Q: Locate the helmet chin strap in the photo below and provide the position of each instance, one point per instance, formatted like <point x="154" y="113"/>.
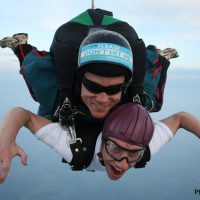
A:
<point x="100" y="156"/>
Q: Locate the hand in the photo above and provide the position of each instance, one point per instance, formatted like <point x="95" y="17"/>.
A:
<point x="8" y="150"/>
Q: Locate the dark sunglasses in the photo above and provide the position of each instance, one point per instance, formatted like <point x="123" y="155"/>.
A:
<point x="96" y="88"/>
<point x="119" y="153"/>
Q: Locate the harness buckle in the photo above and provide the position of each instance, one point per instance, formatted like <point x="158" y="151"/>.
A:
<point x="74" y="141"/>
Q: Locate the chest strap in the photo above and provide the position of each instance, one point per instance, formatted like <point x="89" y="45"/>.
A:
<point x="66" y="119"/>
<point x="78" y="150"/>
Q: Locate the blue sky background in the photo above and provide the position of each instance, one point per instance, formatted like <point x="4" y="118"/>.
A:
<point x="172" y="23"/>
<point x="174" y="172"/>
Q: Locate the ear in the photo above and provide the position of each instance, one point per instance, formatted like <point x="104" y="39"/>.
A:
<point x="100" y="156"/>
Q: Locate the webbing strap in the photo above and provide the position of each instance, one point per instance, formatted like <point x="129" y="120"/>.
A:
<point x="136" y="87"/>
<point x="139" y="62"/>
<point x="79" y="158"/>
<point x="78" y="150"/>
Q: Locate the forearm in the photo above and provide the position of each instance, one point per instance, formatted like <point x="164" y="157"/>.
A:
<point x="183" y="120"/>
<point x="190" y="123"/>
<point x="17" y="118"/>
<point x="12" y="122"/>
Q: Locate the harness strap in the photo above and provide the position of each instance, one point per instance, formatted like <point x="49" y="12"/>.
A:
<point x="78" y="152"/>
<point x="136" y="92"/>
<point x="139" y="62"/>
<point x="66" y="119"/>
<point x="79" y="159"/>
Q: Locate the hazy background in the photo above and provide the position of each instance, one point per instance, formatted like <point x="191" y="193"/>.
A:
<point x="174" y="172"/>
<point x="171" y="23"/>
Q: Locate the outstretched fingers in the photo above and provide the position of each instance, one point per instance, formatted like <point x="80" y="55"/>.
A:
<point x="4" y="169"/>
<point x="23" y="156"/>
<point x="5" y="162"/>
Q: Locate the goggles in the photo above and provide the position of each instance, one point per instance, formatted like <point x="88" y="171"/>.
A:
<point x="96" y="88"/>
<point x="119" y="153"/>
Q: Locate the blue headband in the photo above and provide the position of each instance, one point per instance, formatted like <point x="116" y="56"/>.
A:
<point x="106" y="52"/>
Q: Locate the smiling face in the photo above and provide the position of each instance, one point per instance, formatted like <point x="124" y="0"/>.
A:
<point x="99" y="104"/>
<point x="116" y="169"/>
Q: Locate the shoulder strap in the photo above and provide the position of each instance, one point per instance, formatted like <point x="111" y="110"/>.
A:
<point x="84" y="146"/>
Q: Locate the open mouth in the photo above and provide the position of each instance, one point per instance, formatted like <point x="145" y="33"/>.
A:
<point x="117" y="172"/>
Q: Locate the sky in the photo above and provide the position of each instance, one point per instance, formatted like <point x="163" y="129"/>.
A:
<point x="162" y="23"/>
<point x="172" y="23"/>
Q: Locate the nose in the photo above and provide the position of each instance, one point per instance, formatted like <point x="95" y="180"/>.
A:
<point x="102" y="97"/>
<point x="123" y="164"/>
